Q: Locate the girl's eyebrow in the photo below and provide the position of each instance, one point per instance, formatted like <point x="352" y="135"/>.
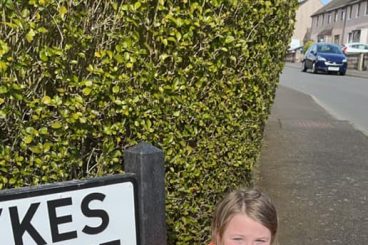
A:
<point x="263" y="238"/>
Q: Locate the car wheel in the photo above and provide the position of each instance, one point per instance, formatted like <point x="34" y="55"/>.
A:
<point x="304" y="67"/>
<point x="314" y="70"/>
<point x="342" y="73"/>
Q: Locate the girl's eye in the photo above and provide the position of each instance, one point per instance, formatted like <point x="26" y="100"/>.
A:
<point x="260" y="241"/>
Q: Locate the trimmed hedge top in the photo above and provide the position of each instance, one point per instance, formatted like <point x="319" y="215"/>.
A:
<point x="83" y="80"/>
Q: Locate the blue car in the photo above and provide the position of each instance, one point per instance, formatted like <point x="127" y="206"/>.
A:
<point x="326" y="57"/>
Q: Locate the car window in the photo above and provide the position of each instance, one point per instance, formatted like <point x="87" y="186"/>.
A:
<point x="309" y="49"/>
<point x="327" y="48"/>
<point x="359" y="46"/>
<point x="314" y="48"/>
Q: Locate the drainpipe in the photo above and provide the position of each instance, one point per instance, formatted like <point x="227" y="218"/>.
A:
<point x="343" y="28"/>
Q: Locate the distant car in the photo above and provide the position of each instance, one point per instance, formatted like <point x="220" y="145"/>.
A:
<point x="325" y="57"/>
<point x="353" y="48"/>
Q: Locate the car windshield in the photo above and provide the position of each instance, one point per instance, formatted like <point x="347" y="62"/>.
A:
<point x="326" y="48"/>
<point x="360" y="46"/>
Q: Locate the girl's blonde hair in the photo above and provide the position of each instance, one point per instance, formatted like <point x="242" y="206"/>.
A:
<point x="252" y="202"/>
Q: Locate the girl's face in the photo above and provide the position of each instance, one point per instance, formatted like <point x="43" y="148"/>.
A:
<point x="243" y="230"/>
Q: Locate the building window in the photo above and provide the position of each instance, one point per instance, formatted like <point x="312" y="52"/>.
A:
<point x="336" y="16"/>
<point x="323" y="19"/>
<point x="320" y="38"/>
<point x="350" y="12"/>
<point x="343" y="14"/>
<point x="337" y="39"/>
<point x="317" y="19"/>
<point x="329" y="18"/>
<point x="358" y="10"/>
<point x="366" y="7"/>
<point x="354" y="36"/>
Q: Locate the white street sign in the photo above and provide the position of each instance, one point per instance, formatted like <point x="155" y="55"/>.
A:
<point x="99" y="211"/>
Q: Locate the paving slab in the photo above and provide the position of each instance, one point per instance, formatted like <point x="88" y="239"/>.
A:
<point x="315" y="168"/>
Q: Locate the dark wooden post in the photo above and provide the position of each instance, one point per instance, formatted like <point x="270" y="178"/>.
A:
<point x="147" y="163"/>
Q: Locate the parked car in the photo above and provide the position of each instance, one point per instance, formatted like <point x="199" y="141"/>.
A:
<point x="325" y="57"/>
<point x="353" y="48"/>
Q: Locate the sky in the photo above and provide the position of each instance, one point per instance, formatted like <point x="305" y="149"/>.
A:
<point x="325" y="1"/>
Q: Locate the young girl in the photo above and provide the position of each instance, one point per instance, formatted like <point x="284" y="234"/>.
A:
<point x="244" y="217"/>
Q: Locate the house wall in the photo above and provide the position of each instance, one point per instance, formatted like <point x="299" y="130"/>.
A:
<point x="336" y="25"/>
<point x="358" y="22"/>
<point x="349" y="19"/>
<point x="303" y="18"/>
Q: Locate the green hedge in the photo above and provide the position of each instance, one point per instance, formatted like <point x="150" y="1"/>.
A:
<point x="83" y="80"/>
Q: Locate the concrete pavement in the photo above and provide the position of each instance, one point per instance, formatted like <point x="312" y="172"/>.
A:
<point x="316" y="170"/>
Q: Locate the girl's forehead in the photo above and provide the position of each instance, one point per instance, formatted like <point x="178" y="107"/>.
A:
<point x="242" y="224"/>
